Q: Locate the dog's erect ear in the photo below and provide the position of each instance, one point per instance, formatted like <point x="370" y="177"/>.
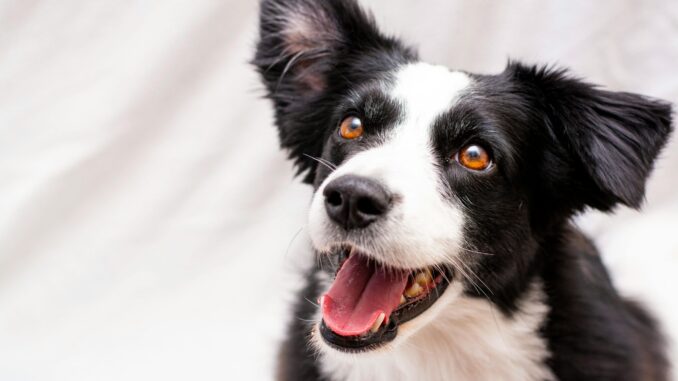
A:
<point x="613" y="137"/>
<point x="309" y="52"/>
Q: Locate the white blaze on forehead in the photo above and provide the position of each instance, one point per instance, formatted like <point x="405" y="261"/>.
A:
<point x="427" y="91"/>
<point x="424" y="227"/>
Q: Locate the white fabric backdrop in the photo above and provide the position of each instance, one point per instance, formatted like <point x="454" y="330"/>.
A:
<point x="148" y="221"/>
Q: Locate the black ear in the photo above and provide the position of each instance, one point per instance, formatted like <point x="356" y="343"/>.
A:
<point x="308" y="54"/>
<point x="613" y="137"/>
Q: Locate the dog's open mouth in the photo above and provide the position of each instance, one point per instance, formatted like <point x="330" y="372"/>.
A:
<point x="368" y="301"/>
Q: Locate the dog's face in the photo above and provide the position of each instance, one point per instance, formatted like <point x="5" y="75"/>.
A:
<point x="426" y="176"/>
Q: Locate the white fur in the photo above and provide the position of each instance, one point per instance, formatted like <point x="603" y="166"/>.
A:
<point x="423" y="228"/>
<point x="458" y="338"/>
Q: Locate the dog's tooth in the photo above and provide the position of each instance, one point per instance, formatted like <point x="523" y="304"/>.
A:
<point x="377" y="323"/>
<point x="414" y="290"/>
<point x="402" y="299"/>
<point x="424" y="278"/>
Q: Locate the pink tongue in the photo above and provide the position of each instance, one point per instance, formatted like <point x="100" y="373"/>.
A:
<point x="359" y="294"/>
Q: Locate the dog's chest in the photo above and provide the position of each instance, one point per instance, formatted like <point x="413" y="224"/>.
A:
<point x="471" y="341"/>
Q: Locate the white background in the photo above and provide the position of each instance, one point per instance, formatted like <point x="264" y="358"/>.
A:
<point x="148" y="221"/>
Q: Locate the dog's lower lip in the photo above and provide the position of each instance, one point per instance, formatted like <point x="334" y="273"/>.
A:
<point x="423" y="289"/>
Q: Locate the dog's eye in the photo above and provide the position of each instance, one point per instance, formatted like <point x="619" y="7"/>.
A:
<point x="351" y="128"/>
<point x="474" y="157"/>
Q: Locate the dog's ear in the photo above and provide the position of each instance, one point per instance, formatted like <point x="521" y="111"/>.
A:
<point x="308" y="53"/>
<point x="611" y="138"/>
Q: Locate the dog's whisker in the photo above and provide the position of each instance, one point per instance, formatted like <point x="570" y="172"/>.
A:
<point x="324" y="267"/>
<point x="463" y="274"/>
<point x="324" y="162"/>
<point x="289" y="245"/>
<point x="475" y="251"/>
<point x="477" y="277"/>
<point x="312" y="302"/>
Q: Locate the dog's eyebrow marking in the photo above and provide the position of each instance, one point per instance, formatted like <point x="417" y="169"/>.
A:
<point x="471" y="120"/>
<point x="378" y="107"/>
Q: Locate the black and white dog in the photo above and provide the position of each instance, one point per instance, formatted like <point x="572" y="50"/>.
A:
<point x="442" y="206"/>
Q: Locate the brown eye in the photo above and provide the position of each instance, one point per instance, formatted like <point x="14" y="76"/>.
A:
<point x="474" y="157"/>
<point x="351" y="128"/>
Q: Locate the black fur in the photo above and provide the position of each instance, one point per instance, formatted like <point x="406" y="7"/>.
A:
<point x="593" y="333"/>
<point x="559" y="145"/>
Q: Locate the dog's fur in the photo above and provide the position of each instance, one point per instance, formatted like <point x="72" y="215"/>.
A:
<point x="531" y="299"/>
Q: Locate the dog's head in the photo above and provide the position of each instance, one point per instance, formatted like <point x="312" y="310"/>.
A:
<point x="425" y="176"/>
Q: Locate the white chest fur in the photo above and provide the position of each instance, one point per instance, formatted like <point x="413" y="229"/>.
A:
<point x="468" y="339"/>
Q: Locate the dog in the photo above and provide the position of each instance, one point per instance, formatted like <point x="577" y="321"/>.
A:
<point x="442" y="206"/>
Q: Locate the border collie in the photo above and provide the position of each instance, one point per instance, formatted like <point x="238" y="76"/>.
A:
<point x="442" y="206"/>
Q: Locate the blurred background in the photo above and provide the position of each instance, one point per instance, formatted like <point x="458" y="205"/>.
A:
<point x="150" y="228"/>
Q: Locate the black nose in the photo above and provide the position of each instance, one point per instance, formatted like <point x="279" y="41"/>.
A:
<point x="355" y="202"/>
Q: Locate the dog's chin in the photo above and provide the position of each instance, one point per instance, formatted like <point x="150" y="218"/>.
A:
<point x="424" y="296"/>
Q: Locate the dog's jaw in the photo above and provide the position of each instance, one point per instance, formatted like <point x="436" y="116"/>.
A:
<point x="458" y="338"/>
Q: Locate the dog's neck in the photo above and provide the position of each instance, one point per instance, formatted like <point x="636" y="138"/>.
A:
<point x="471" y="340"/>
